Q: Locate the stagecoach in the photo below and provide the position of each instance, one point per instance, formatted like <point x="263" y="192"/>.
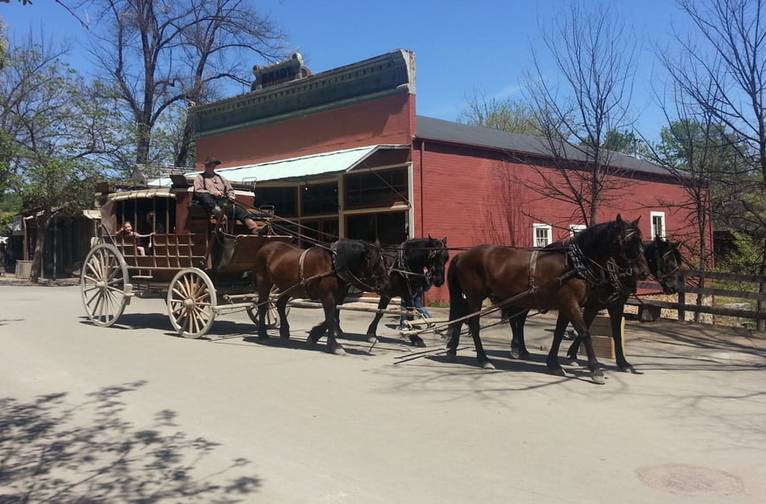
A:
<point x="201" y="265"/>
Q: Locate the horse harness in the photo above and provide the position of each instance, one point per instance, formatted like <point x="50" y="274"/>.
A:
<point x="595" y="275"/>
<point x="347" y="275"/>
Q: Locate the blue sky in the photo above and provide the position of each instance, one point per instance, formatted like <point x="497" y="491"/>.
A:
<point x="460" y="46"/>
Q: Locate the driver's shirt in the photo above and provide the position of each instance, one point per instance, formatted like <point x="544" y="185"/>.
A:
<point x="205" y="182"/>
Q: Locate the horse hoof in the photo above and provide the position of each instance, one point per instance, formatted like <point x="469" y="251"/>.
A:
<point x="629" y="369"/>
<point x="451" y="356"/>
<point x="598" y="377"/>
<point x="371" y="338"/>
<point x="571" y="362"/>
<point x="337" y="350"/>
<point x="417" y="341"/>
<point x="557" y="371"/>
<point x="263" y="336"/>
<point x="519" y="354"/>
<point x="487" y="365"/>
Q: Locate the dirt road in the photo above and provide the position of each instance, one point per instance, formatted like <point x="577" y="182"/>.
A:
<point x="134" y="414"/>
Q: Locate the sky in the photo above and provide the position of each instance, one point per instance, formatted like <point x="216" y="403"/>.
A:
<point x="461" y="47"/>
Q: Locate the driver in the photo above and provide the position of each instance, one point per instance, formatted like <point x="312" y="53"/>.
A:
<point x="213" y="191"/>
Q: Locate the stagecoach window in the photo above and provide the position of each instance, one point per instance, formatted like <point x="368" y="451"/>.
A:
<point x="543" y="235"/>
<point x="283" y="199"/>
<point x="658" y="224"/>
<point x="575" y="228"/>
<point x="382" y="188"/>
<point x="318" y="199"/>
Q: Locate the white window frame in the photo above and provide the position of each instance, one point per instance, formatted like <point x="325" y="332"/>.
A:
<point x="652" y="215"/>
<point x="574" y="228"/>
<point x="537" y="226"/>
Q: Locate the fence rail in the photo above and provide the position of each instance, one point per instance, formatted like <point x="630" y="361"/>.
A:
<point x="682" y="306"/>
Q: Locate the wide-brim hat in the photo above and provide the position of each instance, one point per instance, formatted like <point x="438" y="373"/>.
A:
<point x="211" y="161"/>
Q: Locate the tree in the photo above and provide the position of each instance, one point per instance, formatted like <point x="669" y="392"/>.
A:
<point x="626" y="141"/>
<point x="593" y="56"/>
<point x="728" y="56"/>
<point x="158" y="54"/>
<point x="54" y="126"/>
<point x="501" y="114"/>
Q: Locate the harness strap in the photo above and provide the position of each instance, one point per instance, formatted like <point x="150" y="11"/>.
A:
<point x="532" y="268"/>
<point x="301" y="261"/>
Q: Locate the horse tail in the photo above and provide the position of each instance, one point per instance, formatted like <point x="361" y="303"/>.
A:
<point x="457" y="304"/>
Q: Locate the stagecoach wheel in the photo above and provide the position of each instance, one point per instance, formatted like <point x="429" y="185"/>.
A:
<point x="272" y="315"/>
<point x="191" y="303"/>
<point x="104" y="284"/>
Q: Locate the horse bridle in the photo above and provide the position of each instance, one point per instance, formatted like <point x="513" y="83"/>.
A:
<point x="662" y="276"/>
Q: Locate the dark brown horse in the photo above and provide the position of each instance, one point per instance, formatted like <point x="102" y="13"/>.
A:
<point x="413" y="265"/>
<point x="559" y="279"/>
<point x="664" y="261"/>
<point x="319" y="273"/>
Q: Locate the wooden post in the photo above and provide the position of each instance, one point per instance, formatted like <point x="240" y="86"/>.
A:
<point x="682" y="301"/>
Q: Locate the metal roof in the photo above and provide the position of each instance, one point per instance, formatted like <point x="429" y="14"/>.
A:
<point x="298" y="167"/>
<point x="429" y="128"/>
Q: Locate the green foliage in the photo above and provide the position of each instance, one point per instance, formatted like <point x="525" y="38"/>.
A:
<point x="627" y="142"/>
<point x="747" y="255"/>
<point x="501" y="114"/>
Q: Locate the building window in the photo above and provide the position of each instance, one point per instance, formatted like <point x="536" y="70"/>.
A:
<point x="575" y="228"/>
<point x="283" y="199"/>
<point x="383" y="188"/>
<point x="318" y="199"/>
<point x="543" y="234"/>
<point x="658" y="224"/>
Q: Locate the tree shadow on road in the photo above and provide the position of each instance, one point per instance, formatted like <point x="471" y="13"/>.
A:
<point x="52" y="451"/>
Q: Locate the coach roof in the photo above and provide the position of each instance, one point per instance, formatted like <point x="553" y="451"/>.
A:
<point x="429" y="128"/>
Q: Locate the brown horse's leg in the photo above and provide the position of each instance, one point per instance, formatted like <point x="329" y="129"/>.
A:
<point x="331" y="323"/>
<point x="284" y="326"/>
<point x="616" y="311"/>
<point x="342" y="292"/>
<point x="316" y="332"/>
<point x="372" y="330"/>
<point x="573" y="312"/>
<point x="518" y="346"/>
<point x="589" y="313"/>
<point x="553" y="355"/>
<point x="264" y="290"/>
<point x="473" y="326"/>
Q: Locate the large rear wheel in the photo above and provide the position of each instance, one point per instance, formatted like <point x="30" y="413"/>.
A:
<point x="104" y="284"/>
<point x="191" y="303"/>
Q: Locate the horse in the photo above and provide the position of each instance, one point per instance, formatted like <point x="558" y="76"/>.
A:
<point x="414" y="264"/>
<point x="560" y="279"/>
<point x="664" y="261"/>
<point x="321" y="273"/>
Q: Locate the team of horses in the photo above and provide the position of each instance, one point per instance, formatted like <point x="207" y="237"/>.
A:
<point x="597" y="268"/>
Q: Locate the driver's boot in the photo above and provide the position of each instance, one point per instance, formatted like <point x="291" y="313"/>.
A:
<point x="253" y="226"/>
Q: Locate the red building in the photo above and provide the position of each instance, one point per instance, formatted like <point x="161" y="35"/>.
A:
<point x="344" y="153"/>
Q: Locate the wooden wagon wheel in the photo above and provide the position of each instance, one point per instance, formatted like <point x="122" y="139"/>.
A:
<point x="272" y="315"/>
<point x="104" y="284"/>
<point x="191" y="303"/>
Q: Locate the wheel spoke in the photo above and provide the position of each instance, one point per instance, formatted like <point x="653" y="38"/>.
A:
<point x="114" y="289"/>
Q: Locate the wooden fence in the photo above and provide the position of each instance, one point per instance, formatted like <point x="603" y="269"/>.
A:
<point x="687" y="303"/>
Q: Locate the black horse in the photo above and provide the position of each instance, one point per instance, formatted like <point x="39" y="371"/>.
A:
<point x="664" y="261"/>
<point x="560" y="279"/>
<point x="412" y="265"/>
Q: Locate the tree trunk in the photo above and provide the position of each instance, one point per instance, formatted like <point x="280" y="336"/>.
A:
<point x="142" y="145"/>
<point x="185" y="146"/>
<point x="37" y="258"/>
<point x="702" y="264"/>
<point x="761" y="287"/>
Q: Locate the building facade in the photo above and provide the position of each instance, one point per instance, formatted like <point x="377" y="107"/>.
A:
<point x="343" y="153"/>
